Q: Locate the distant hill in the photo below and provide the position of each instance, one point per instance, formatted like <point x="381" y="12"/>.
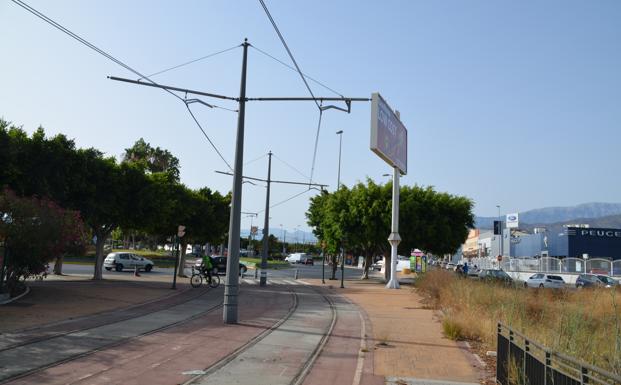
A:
<point x="610" y="221"/>
<point x="555" y="215"/>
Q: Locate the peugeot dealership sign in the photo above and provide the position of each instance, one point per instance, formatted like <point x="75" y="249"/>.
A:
<point x="512" y="221"/>
<point x="389" y="137"/>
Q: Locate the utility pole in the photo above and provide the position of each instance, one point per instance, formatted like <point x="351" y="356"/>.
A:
<point x="266" y="226"/>
<point x="338" y="187"/>
<point x="231" y="283"/>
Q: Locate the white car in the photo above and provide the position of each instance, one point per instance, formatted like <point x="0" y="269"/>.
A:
<point x="120" y="261"/>
<point x="542" y="280"/>
<point x="299" y="258"/>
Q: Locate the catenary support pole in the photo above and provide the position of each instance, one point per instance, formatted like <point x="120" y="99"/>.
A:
<point x="266" y="225"/>
<point x="394" y="237"/>
<point x="176" y="254"/>
<point x="231" y="285"/>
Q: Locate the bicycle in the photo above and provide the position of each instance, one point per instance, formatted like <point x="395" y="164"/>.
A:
<point x="196" y="280"/>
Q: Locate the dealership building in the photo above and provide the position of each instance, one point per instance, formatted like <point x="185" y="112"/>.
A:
<point x="572" y="242"/>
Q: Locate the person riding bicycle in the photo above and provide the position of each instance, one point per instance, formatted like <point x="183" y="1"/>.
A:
<point x="207" y="267"/>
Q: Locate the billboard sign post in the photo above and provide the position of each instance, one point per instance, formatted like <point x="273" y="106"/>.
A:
<point x="389" y="137"/>
<point x="389" y="140"/>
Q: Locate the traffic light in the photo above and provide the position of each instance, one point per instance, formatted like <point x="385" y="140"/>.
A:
<point x="497" y="227"/>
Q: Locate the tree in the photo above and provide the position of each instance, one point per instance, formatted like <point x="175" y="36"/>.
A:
<point x="153" y="160"/>
<point x="360" y="218"/>
<point x="34" y="232"/>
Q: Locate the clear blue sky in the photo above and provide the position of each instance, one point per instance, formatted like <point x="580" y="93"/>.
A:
<point x="510" y="103"/>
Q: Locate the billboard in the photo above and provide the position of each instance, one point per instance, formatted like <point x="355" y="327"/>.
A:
<point x="389" y="137"/>
<point x="596" y="242"/>
<point x="512" y="221"/>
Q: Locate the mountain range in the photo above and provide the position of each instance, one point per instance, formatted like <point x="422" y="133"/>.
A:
<point x="595" y="214"/>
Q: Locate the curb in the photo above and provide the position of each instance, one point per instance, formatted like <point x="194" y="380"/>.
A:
<point x="16" y="298"/>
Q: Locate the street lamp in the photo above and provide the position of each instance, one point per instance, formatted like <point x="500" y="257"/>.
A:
<point x="500" y="247"/>
<point x="338" y="186"/>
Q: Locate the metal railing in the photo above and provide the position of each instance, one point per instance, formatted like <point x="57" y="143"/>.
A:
<point x="551" y="265"/>
<point x="521" y="360"/>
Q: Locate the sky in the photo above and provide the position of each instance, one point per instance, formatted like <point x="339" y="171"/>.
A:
<point x="516" y="104"/>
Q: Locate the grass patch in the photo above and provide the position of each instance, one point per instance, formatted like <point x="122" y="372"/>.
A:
<point x="452" y="330"/>
<point x="585" y="324"/>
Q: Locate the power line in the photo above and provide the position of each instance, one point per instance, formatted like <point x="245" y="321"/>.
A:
<point x="293" y="69"/>
<point x="291" y="167"/>
<point x="284" y="43"/>
<point x="255" y="159"/>
<point x="192" y="61"/>
<point x="113" y="59"/>
<point x="288" y="199"/>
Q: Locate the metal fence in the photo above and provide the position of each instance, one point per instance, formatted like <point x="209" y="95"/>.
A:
<point x="523" y="361"/>
<point x="552" y="265"/>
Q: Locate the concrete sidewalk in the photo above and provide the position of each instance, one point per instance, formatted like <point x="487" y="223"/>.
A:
<point x="407" y="341"/>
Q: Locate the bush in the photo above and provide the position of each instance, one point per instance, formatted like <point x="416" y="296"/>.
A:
<point x="35" y="231"/>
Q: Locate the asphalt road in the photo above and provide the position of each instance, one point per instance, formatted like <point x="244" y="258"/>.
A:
<point x="304" y="271"/>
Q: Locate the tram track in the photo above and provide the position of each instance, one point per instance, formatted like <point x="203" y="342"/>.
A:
<point x="105" y="345"/>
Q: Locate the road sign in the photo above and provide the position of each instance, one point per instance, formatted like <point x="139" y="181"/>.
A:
<point x="389" y="137"/>
<point x="513" y="221"/>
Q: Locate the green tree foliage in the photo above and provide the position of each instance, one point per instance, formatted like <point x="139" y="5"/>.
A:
<point x="153" y="160"/>
<point x="141" y="194"/>
<point x="360" y="220"/>
<point x="34" y="232"/>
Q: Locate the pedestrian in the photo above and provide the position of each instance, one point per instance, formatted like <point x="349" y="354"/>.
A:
<point x="466" y="268"/>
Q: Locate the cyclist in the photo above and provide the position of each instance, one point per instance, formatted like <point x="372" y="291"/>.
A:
<point x="207" y="267"/>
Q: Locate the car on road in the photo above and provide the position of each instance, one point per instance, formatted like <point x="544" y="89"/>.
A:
<point x="492" y="275"/>
<point x="120" y="261"/>
<point x="299" y="258"/>
<point x="219" y="265"/>
<point x="541" y="280"/>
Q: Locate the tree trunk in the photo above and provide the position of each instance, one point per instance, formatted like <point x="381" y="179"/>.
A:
<point x="99" y="256"/>
<point x="181" y="271"/>
<point x="58" y="265"/>
<point x="334" y="266"/>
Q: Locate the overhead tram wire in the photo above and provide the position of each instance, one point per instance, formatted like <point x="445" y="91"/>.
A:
<point x="293" y="69"/>
<point x="192" y="61"/>
<point x="284" y="43"/>
<point x="113" y="59"/>
<point x="288" y="199"/>
<point x="291" y="167"/>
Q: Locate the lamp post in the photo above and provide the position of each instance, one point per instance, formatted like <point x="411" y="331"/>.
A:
<point x="500" y="245"/>
<point x="338" y="186"/>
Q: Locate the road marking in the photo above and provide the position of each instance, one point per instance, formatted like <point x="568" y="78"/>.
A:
<point x="360" y="364"/>
<point x="290" y="282"/>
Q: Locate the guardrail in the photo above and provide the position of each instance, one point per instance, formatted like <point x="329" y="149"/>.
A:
<point x="520" y="360"/>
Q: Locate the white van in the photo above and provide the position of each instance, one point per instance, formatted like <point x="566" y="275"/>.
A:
<point x="298" y="258"/>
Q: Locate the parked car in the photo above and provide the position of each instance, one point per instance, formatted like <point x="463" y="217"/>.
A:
<point x="542" y="280"/>
<point x="587" y="280"/>
<point x="608" y="280"/>
<point x="450" y="266"/>
<point x="495" y="276"/>
<point x="219" y="265"/>
<point x="121" y="261"/>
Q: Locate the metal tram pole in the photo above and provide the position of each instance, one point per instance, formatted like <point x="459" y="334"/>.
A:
<point x="231" y="283"/>
<point x="266" y="226"/>
<point x="338" y="187"/>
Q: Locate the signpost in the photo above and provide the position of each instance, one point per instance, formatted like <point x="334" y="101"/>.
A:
<point x="389" y="140"/>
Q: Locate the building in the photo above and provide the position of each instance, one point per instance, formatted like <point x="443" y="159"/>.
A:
<point x="573" y="242"/>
